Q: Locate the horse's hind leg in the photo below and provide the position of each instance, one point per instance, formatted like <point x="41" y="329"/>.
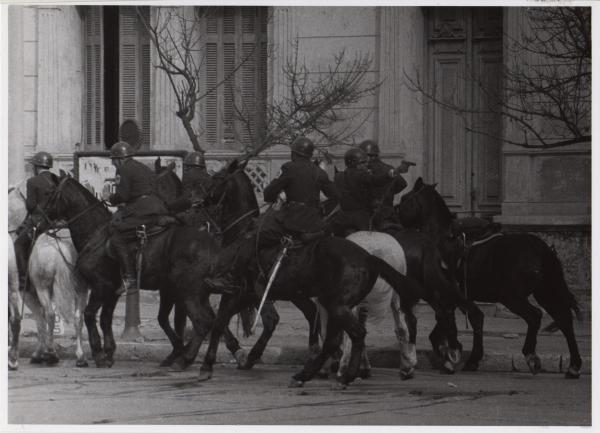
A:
<point x="476" y="318"/>
<point x="44" y="293"/>
<point x="406" y="336"/>
<point x="309" y="310"/>
<point x="533" y="317"/>
<point x="564" y="320"/>
<point x="333" y="338"/>
<point x="89" y="317"/>
<point x="14" y="317"/>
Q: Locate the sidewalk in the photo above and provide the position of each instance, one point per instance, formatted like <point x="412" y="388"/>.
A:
<point x="504" y="336"/>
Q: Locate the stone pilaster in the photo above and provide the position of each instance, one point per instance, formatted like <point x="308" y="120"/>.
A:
<point x="400" y="116"/>
<point x="16" y="149"/>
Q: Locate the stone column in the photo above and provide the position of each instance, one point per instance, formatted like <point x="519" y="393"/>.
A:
<point x="283" y="35"/>
<point x="16" y="148"/>
<point x="400" y="115"/>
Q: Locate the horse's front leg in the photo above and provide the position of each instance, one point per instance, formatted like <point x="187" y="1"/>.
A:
<point x="81" y="300"/>
<point x="270" y="319"/>
<point x="164" y="310"/>
<point x="228" y="306"/>
<point x="91" y="310"/>
<point x="106" y="318"/>
<point x="476" y="318"/>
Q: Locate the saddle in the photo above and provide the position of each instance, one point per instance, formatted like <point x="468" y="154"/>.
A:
<point x="477" y="230"/>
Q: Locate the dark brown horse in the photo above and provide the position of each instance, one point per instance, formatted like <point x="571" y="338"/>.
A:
<point x="507" y="268"/>
<point x="336" y="271"/>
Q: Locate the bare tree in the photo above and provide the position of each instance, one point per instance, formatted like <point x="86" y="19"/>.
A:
<point x="317" y="104"/>
<point x="545" y="96"/>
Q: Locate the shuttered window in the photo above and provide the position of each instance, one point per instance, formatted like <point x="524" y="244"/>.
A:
<point x="132" y="97"/>
<point x="235" y="75"/>
<point x="94" y="95"/>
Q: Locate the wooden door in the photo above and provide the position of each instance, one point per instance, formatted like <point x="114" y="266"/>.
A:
<point x="464" y="69"/>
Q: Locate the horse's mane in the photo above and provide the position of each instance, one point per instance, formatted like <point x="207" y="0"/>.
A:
<point x="86" y="194"/>
<point x="441" y="205"/>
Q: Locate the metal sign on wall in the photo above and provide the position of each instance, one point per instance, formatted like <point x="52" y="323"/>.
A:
<point x="95" y="171"/>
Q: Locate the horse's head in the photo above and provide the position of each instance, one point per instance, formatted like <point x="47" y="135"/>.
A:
<point x="69" y="200"/>
<point x="232" y="192"/>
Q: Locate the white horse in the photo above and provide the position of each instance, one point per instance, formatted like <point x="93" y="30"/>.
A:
<point x="381" y="299"/>
<point x="54" y="280"/>
<point x="14" y="308"/>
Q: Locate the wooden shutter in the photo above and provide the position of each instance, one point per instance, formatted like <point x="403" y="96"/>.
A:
<point x="233" y="34"/>
<point x="134" y="71"/>
<point x="94" y="92"/>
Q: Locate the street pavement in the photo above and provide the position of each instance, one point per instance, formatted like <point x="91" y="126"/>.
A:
<point x="504" y="335"/>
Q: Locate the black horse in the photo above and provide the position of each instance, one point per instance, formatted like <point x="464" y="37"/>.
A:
<point x="506" y="268"/>
<point x="336" y="271"/>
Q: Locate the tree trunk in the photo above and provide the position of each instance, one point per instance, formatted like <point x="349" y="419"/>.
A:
<point x="190" y="132"/>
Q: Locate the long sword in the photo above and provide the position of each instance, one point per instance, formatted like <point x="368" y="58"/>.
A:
<point x="282" y="254"/>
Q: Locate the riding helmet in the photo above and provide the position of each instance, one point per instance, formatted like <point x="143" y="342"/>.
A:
<point x="195" y="158"/>
<point x="121" y="149"/>
<point x="42" y="159"/>
<point x="370" y="147"/>
<point x="355" y="156"/>
<point x="303" y="147"/>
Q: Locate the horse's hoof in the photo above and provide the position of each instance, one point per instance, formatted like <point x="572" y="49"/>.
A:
<point x="13" y="365"/>
<point x="178" y="365"/>
<point x="322" y="375"/>
<point x="454" y="355"/>
<point x="406" y="374"/>
<point x="204" y="375"/>
<point x="36" y="360"/>
<point x="572" y="373"/>
<point x="167" y="362"/>
<point x="81" y="363"/>
<point x="241" y="357"/>
<point x="335" y="366"/>
<point x="295" y="383"/>
<point x="364" y="373"/>
<point x="338" y="386"/>
<point x="447" y="368"/>
<point x="50" y="358"/>
<point x="471" y="366"/>
<point x="534" y="363"/>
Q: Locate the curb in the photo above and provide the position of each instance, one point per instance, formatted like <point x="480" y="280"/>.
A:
<point x="386" y="357"/>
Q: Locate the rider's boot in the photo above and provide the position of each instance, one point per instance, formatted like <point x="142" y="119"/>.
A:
<point x="127" y="266"/>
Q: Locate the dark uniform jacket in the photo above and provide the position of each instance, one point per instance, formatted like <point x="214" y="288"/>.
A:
<point x="302" y="181"/>
<point x="136" y="190"/>
<point x="39" y="190"/>
<point x="356" y="197"/>
<point x="386" y="191"/>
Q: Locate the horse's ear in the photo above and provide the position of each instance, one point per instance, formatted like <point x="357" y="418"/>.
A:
<point x="157" y="165"/>
<point x="242" y="165"/>
<point x="434" y="185"/>
<point x="62" y="174"/>
<point x="232" y="166"/>
<point x="418" y="184"/>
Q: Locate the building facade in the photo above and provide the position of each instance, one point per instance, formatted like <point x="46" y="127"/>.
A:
<point x="78" y="75"/>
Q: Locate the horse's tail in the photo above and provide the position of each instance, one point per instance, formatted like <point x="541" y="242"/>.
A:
<point x="407" y="288"/>
<point x="554" y="280"/>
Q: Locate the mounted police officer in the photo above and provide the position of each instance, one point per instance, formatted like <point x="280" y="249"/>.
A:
<point x="383" y="195"/>
<point x="300" y="217"/>
<point x="135" y="190"/>
<point x="195" y="183"/>
<point x="356" y="185"/>
<point x="40" y="188"/>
